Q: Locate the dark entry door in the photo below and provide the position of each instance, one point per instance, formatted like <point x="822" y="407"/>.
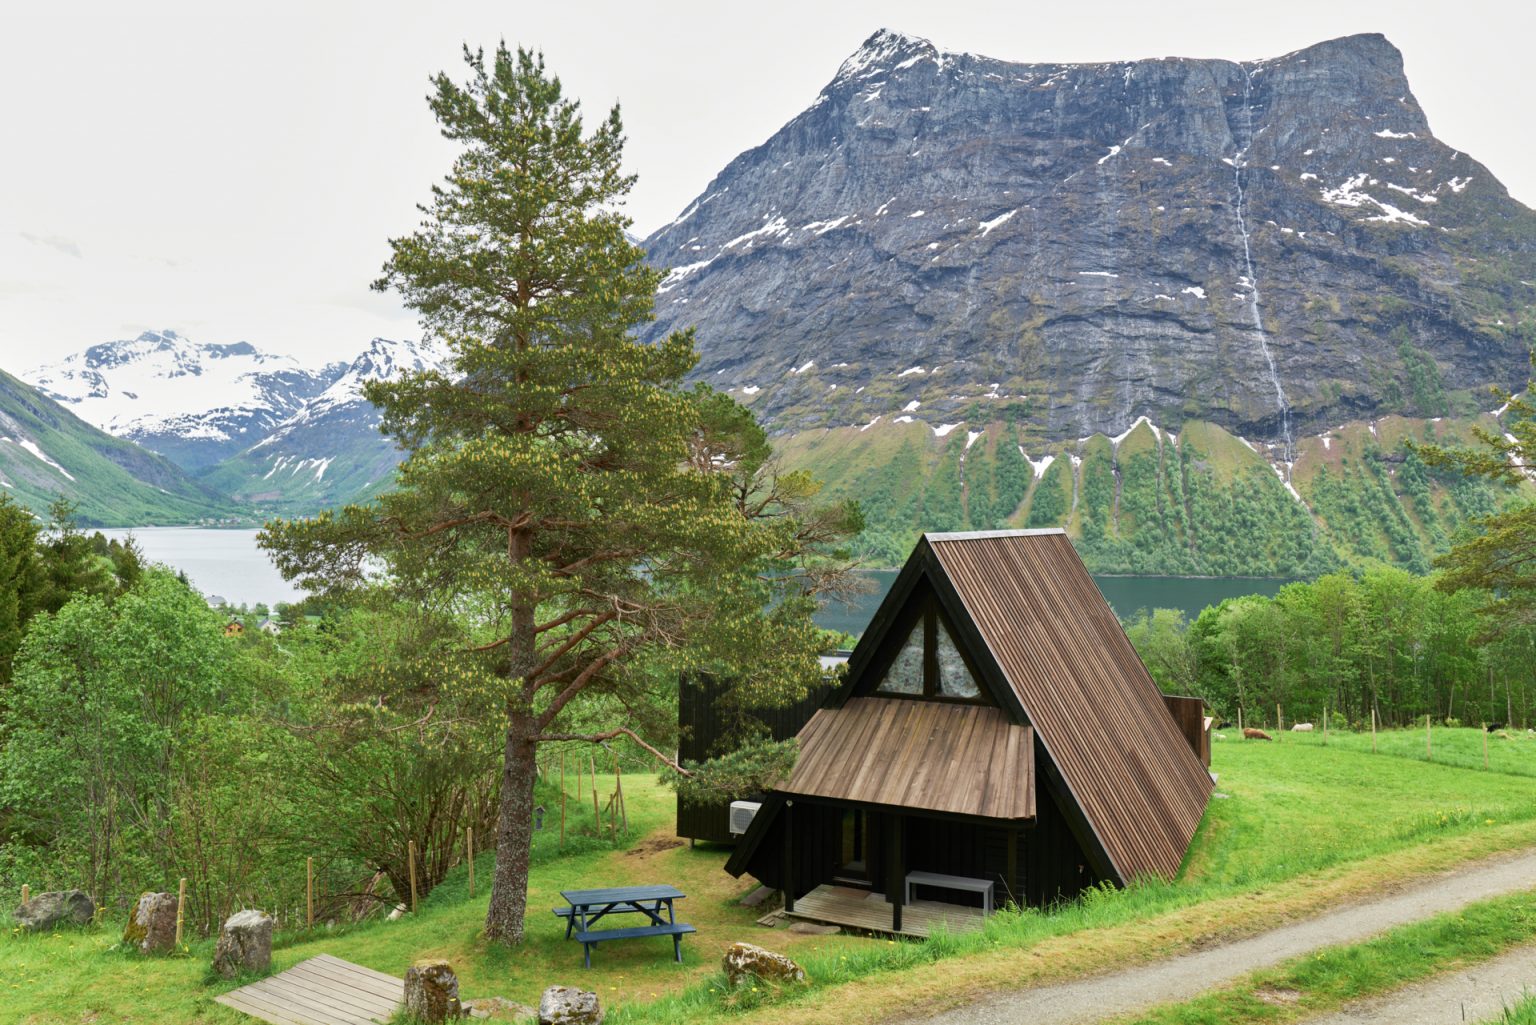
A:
<point x="853" y="861"/>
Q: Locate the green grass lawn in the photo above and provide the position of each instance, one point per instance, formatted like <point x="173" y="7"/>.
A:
<point x="1296" y="806"/>
<point x="1295" y="812"/>
<point x="1510" y="751"/>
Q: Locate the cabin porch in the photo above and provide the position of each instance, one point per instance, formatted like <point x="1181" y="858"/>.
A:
<point x="860" y="909"/>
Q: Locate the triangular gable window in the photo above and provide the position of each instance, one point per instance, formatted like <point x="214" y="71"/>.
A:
<point x="955" y="679"/>
<point x="906" y="673"/>
<point x="929" y="664"/>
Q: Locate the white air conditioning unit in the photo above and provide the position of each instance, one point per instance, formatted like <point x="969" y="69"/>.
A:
<point x="741" y="815"/>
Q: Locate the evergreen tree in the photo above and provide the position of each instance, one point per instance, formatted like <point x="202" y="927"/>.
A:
<point x="1499" y="555"/>
<point x="21" y="579"/>
<point x="562" y="490"/>
<point x="70" y="563"/>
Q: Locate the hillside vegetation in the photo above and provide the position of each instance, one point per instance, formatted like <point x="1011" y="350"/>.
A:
<point x="1199" y="502"/>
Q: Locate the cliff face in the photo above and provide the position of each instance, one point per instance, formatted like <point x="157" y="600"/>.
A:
<point x="1272" y="247"/>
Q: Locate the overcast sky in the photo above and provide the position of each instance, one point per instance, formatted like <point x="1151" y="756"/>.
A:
<point x="236" y="175"/>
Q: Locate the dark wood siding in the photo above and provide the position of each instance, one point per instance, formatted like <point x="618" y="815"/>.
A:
<point x="1049" y="864"/>
<point x="817" y="845"/>
<point x="703" y="725"/>
<point x="1189" y="714"/>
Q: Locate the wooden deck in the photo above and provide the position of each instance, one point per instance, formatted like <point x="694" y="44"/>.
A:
<point x="860" y="909"/>
<point x="324" y="990"/>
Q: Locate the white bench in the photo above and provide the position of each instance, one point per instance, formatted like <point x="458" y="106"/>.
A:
<point x="965" y="883"/>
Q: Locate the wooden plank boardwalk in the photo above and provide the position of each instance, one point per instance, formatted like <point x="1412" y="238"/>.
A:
<point x="324" y="990"/>
<point x="860" y="909"/>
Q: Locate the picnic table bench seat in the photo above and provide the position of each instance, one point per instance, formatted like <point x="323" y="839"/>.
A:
<point x="654" y="903"/>
<point x="593" y="937"/>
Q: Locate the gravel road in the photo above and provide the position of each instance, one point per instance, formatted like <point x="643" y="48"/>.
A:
<point x="1098" y="997"/>
<point x="1478" y="994"/>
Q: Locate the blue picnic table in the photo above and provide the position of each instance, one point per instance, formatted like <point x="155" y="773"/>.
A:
<point x="589" y="907"/>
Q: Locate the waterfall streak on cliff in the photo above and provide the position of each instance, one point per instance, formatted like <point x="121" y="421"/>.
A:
<point x="1251" y="278"/>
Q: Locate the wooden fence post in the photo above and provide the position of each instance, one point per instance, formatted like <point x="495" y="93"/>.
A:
<point x="618" y="783"/>
<point x="1279" y="720"/>
<point x="1373" y="729"/>
<point x="1485" y="745"/>
<point x="309" y="893"/>
<point x="181" y="908"/>
<point x="1325" y="725"/>
<point x="410" y="855"/>
<point x="562" y="800"/>
<point x="1239" y="718"/>
<point x="26" y="893"/>
<point x="469" y="854"/>
<point x="597" y="816"/>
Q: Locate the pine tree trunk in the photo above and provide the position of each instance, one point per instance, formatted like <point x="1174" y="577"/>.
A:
<point x="514" y="833"/>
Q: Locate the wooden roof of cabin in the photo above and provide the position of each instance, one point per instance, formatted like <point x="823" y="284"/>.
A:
<point x="1094" y="707"/>
<point x="932" y="756"/>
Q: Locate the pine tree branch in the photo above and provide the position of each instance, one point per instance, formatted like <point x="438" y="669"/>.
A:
<point x="618" y="731"/>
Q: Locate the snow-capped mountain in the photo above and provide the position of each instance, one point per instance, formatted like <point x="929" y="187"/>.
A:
<point x="196" y="403"/>
<point x="330" y="450"/>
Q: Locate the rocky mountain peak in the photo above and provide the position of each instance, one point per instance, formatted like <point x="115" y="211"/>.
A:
<point x="1272" y="245"/>
<point x="884" y="51"/>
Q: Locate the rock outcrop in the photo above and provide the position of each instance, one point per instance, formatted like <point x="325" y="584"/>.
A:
<point x="152" y="924"/>
<point x="245" y="944"/>
<point x="55" y="908"/>
<point x="567" y="1005"/>
<point x="432" y="992"/>
<point x="745" y="961"/>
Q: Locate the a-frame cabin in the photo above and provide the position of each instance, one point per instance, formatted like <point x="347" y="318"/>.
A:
<point x="994" y="724"/>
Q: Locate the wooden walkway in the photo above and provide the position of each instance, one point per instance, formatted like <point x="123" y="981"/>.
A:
<point x="860" y="909"/>
<point x="324" y="990"/>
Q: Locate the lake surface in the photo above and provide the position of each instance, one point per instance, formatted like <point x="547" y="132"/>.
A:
<point x="227" y="563"/>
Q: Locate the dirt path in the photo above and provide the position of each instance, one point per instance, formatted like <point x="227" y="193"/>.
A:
<point x="1098" y="997"/>
<point x="1476" y="995"/>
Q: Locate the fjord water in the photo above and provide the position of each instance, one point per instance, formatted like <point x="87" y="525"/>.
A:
<point x="227" y="563"/>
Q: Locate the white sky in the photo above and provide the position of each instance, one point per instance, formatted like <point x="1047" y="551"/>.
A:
<point x="236" y="175"/>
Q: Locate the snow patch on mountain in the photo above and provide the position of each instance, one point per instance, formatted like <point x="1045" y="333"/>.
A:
<point x="383" y="360"/>
<point x="162" y="379"/>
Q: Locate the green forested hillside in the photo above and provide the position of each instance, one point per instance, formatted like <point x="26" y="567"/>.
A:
<point x="1196" y="502"/>
<point x="47" y="452"/>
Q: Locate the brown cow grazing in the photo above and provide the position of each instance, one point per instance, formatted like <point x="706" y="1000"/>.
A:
<point x="1249" y="733"/>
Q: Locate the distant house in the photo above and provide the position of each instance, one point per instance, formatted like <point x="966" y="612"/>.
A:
<point x="270" y="625"/>
<point x="234" y="628"/>
<point x="994" y="726"/>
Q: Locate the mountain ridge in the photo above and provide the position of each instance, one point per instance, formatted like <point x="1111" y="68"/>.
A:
<point x="1144" y="236"/>
<point x="194" y="402"/>
<point x="289" y="471"/>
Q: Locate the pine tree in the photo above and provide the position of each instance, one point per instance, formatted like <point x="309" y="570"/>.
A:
<point x="563" y="490"/>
